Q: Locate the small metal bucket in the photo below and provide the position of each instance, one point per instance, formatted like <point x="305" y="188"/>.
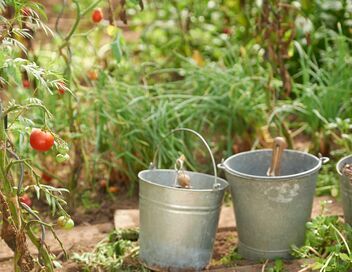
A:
<point x="178" y="225"/>
<point x="346" y="189"/>
<point x="271" y="211"/>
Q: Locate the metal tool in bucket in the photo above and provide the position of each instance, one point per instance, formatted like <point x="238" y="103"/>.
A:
<point x="344" y="168"/>
<point x="271" y="211"/>
<point x="178" y="225"/>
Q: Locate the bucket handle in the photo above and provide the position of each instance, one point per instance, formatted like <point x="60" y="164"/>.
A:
<point x="324" y="160"/>
<point x="153" y="164"/>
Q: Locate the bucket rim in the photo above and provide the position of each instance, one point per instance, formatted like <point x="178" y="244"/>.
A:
<point x="277" y="178"/>
<point x="221" y="188"/>
<point x="338" y="164"/>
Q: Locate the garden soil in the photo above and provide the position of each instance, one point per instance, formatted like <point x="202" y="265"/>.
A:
<point x="93" y="228"/>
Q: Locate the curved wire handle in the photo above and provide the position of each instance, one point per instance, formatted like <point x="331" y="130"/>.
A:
<point x="153" y="164"/>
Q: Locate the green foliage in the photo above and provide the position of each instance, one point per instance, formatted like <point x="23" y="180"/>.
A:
<point x="111" y="253"/>
<point x="182" y="26"/>
<point x="328" y="181"/>
<point x="231" y="257"/>
<point x="278" y="266"/>
<point x="326" y="88"/>
<point x="188" y="60"/>
<point x="329" y="14"/>
<point x="328" y="243"/>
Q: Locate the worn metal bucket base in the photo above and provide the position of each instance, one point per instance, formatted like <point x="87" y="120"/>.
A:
<point x="155" y="267"/>
<point x="254" y="254"/>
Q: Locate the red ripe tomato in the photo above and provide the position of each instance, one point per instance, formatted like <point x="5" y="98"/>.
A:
<point x="97" y="15"/>
<point x="92" y="75"/>
<point x="26" y="200"/>
<point x="26" y="83"/>
<point x="41" y="140"/>
<point x="114" y="189"/>
<point x="227" y="31"/>
<point x="46" y="178"/>
<point x="61" y="88"/>
<point x="103" y="183"/>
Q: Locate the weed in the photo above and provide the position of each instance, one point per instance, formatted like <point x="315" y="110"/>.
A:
<point x="328" y="182"/>
<point x="328" y="243"/>
<point x="116" y="253"/>
<point x="278" y="266"/>
<point x="231" y="257"/>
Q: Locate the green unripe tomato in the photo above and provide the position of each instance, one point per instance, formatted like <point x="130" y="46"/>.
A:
<point x="62" y="158"/>
<point x="62" y="149"/>
<point x="65" y="222"/>
<point x="69" y="224"/>
<point x="61" y="221"/>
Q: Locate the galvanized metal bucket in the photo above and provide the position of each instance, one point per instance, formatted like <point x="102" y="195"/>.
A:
<point x="271" y="211"/>
<point x="178" y="225"/>
<point x="346" y="189"/>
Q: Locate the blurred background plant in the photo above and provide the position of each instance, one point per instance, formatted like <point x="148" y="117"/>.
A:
<point x="239" y="72"/>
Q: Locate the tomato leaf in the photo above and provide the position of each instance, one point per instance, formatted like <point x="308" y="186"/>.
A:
<point x="116" y="48"/>
<point x="37" y="190"/>
<point x="48" y="199"/>
<point x="53" y="207"/>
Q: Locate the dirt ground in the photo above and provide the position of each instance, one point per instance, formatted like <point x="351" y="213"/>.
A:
<point x="225" y="242"/>
<point x="94" y="226"/>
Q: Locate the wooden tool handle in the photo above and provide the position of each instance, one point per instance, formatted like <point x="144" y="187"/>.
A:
<point x="278" y="148"/>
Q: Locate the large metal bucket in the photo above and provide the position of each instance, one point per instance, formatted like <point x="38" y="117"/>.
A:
<point x="346" y="189"/>
<point x="271" y="212"/>
<point x="178" y="225"/>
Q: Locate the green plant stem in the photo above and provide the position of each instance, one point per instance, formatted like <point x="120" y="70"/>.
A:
<point x="90" y="7"/>
<point x="42" y="251"/>
<point x="78" y="19"/>
<point x="343" y="238"/>
<point x="7" y="186"/>
<point x="16" y="220"/>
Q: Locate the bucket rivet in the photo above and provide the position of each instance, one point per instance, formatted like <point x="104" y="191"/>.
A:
<point x="216" y="186"/>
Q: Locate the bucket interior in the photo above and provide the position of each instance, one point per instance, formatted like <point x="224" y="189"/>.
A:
<point x="342" y="162"/>
<point x="256" y="163"/>
<point x="165" y="177"/>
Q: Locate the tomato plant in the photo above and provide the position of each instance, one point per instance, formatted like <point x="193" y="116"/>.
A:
<point x="19" y="122"/>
